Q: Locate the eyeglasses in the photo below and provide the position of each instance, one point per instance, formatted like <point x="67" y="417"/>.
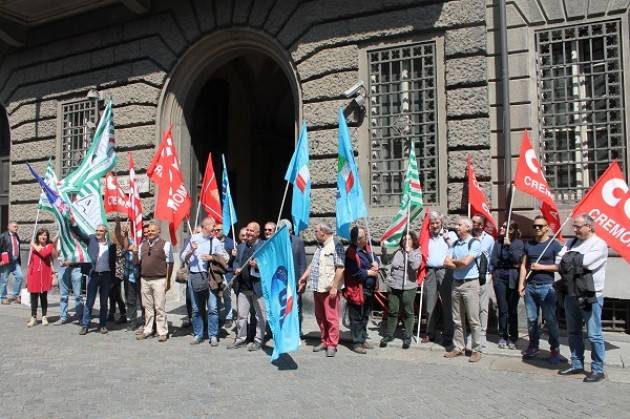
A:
<point x="539" y="226"/>
<point x="577" y="227"/>
<point x="100" y="231"/>
<point x="269" y="229"/>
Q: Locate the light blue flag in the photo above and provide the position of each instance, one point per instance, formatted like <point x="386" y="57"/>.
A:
<point x="350" y="202"/>
<point x="275" y="263"/>
<point x="229" y="215"/>
<point x="299" y="175"/>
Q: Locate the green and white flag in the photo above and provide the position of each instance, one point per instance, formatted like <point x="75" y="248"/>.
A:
<point x="51" y="180"/>
<point x="87" y="207"/>
<point x="99" y="159"/>
<point x="410" y="204"/>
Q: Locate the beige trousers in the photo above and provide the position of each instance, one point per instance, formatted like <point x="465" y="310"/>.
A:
<point x="465" y="305"/>
<point x="154" y="303"/>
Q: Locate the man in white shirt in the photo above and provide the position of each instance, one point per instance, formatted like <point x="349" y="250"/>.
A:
<point x="594" y="253"/>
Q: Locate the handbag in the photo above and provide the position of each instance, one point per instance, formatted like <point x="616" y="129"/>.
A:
<point x="181" y="276"/>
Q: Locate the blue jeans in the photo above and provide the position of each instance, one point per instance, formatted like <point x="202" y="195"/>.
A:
<point x="541" y="297"/>
<point x="70" y="277"/>
<point x="97" y="283"/>
<point x="202" y="301"/>
<point x="15" y="269"/>
<point x="576" y="317"/>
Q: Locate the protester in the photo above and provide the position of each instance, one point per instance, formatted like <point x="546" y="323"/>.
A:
<point x="133" y="297"/>
<point x="102" y="252"/>
<point x="465" y="295"/>
<point x="536" y="285"/>
<point x="506" y="258"/>
<point x="115" y="293"/>
<point x="589" y="252"/>
<point x="201" y="250"/>
<point x="70" y="277"/>
<point x="326" y="275"/>
<point x="10" y="244"/>
<point x="39" y="274"/>
<point x="155" y="257"/>
<point x="485" y="290"/>
<point x="401" y="280"/>
<point x="360" y="280"/>
<point x="270" y="228"/>
<point x="438" y="281"/>
<point x="249" y="291"/>
<point x="299" y="262"/>
<point x="230" y="249"/>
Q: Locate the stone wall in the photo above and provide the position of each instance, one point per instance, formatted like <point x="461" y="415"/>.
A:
<point x="129" y="57"/>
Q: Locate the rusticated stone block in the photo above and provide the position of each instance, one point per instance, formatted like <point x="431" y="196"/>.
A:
<point x="142" y="136"/>
<point x="133" y="93"/>
<point x="466" y="71"/>
<point x="470" y="101"/>
<point x="469" y="133"/>
<point x="259" y="12"/>
<point x="465" y="41"/>
<point x="20" y="172"/>
<point x="134" y="114"/>
<point x="32" y="130"/>
<point x="458" y="202"/>
<point x="328" y="60"/>
<point x="329" y="86"/>
<point x="24" y="192"/>
<point x="322" y="114"/>
<point x="457" y="164"/>
<point x="326" y="142"/>
<point x="34" y="150"/>
<point x="27" y="213"/>
<point x="33" y="111"/>
<point x="323" y="171"/>
<point x="324" y="201"/>
<point x="141" y="159"/>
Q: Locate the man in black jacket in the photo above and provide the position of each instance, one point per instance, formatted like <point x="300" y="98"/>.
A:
<point x="10" y="244"/>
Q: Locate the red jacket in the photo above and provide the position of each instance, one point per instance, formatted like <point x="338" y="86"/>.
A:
<point x="39" y="276"/>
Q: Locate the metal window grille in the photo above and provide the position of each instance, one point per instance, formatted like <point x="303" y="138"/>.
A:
<point x="581" y="106"/>
<point x="79" y="123"/>
<point x="402" y="109"/>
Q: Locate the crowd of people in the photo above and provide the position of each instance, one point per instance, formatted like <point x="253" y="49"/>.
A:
<point x="464" y="267"/>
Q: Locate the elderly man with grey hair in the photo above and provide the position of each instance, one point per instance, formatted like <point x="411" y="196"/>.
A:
<point x="326" y="275"/>
<point x="465" y="294"/>
<point x="591" y="251"/>
<point x="438" y="281"/>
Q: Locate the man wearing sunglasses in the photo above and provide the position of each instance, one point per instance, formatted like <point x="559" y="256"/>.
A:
<point x="155" y="257"/>
<point x="536" y="285"/>
<point x="270" y="228"/>
<point x="594" y="252"/>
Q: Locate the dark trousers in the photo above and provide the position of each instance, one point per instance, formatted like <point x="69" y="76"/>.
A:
<point x="397" y="301"/>
<point x="99" y="283"/>
<point x="134" y="299"/>
<point x="115" y="297"/>
<point x="507" y="300"/>
<point x="359" y="316"/>
<point x="438" y="285"/>
<point x="188" y="302"/>
<point x="43" y="296"/>
<point x="300" y="312"/>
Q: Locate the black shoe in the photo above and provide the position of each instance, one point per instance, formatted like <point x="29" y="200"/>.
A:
<point x="103" y="330"/>
<point x="228" y="324"/>
<point x="571" y="371"/>
<point x="111" y="317"/>
<point x="83" y="331"/>
<point x="383" y="343"/>
<point x="122" y="319"/>
<point x="406" y="343"/>
<point x="594" y="377"/>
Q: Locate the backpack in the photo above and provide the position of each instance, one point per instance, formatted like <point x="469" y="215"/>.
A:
<point x="482" y="264"/>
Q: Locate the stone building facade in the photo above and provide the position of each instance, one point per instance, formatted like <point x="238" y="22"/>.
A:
<point x="237" y="77"/>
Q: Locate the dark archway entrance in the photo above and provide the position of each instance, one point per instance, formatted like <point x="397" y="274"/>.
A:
<point x="245" y="110"/>
<point x="5" y="151"/>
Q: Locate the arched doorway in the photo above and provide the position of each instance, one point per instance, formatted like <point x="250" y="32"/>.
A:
<point x="235" y="93"/>
<point x="5" y="152"/>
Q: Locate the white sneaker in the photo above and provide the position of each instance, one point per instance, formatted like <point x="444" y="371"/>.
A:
<point x="31" y="322"/>
<point x="44" y="321"/>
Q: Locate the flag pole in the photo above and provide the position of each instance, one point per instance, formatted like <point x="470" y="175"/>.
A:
<point x="469" y="209"/>
<point x="230" y="200"/>
<point x="190" y="230"/>
<point x="420" y="310"/>
<point x="197" y="213"/>
<point x="284" y="197"/>
<point x="30" y="248"/>
<point x="549" y="243"/>
<point x="509" y="217"/>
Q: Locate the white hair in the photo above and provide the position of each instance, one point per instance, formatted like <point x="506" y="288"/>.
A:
<point x="467" y="222"/>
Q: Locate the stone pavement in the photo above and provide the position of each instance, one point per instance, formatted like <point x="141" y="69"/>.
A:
<point x="53" y="372"/>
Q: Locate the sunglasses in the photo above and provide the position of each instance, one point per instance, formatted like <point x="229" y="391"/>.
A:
<point x="539" y="226"/>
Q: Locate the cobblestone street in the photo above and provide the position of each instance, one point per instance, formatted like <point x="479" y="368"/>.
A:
<point x="53" y="372"/>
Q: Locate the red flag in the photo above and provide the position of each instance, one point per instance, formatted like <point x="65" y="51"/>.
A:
<point x="135" y="206"/>
<point x="608" y="202"/>
<point x="115" y="198"/>
<point x="210" y="193"/>
<point x="552" y="215"/>
<point x="173" y="201"/>
<point x="424" y="247"/>
<point x="477" y="199"/>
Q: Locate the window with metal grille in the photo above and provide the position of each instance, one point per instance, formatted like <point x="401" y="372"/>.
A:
<point x="79" y="123"/>
<point x="581" y="106"/>
<point x="402" y="110"/>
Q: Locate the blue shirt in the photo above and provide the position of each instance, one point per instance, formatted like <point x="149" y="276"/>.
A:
<point x="439" y="248"/>
<point x="205" y="246"/>
<point x="487" y="244"/>
<point x="459" y="251"/>
<point x="533" y="250"/>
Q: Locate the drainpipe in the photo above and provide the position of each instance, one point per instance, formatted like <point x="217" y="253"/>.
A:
<point x="505" y="100"/>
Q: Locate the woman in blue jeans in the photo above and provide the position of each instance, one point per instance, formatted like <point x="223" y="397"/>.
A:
<point x="506" y="258"/>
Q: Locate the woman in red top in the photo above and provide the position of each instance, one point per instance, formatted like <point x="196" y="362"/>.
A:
<point x="39" y="275"/>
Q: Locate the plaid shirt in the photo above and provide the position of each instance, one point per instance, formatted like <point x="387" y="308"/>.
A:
<point x="338" y="255"/>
